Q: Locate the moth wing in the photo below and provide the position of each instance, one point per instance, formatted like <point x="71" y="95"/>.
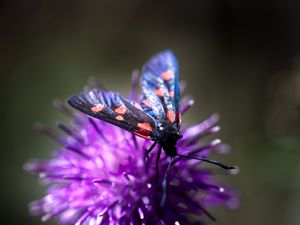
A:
<point x="160" y="87"/>
<point x="115" y="109"/>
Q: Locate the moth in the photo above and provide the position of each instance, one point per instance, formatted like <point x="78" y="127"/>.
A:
<point x="155" y="117"/>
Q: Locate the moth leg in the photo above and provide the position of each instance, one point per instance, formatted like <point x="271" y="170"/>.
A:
<point x="146" y="156"/>
<point x="157" y="161"/>
<point x="150" y="150"/>
<point x="164" y="184"/>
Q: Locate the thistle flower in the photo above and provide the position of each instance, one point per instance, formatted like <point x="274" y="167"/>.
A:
<point x="101" y="175"/>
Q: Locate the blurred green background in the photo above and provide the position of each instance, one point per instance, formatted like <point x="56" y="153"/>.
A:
<point x="240" y="58"/>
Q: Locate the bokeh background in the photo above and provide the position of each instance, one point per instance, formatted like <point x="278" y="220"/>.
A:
<point x="240" y="58"/>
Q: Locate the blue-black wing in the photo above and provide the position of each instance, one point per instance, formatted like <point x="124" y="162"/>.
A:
<point x="160" y="88"/>
<point x="115" y="109"/>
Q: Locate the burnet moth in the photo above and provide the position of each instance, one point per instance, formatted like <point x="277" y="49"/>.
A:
<point x="155" y="117"/>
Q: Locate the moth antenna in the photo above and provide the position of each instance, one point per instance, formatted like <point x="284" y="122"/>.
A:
<point x="134" y="85"/>
<point x="93" y="82"/>
<point x="214" y="162"/>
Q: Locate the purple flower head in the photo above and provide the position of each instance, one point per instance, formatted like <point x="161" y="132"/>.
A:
<point x="101" y="175"/>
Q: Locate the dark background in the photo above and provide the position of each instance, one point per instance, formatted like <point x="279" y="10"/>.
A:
<point x="240" y="58"/>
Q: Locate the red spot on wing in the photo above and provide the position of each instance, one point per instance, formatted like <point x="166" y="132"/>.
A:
<point x="167" y="75"/>
<point x="178" y="118"/>
<point x="121" y="109"/>
<point x="171" y="93"/>
<point x="143" y="134"/>
<point x="146" y="103"/>
<point x="171" y="115"/>
<point x="119" y="118"/>
<point x="98" y="108"/>
<point x="145" y="126"/>
<point x="159" y="92"/>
